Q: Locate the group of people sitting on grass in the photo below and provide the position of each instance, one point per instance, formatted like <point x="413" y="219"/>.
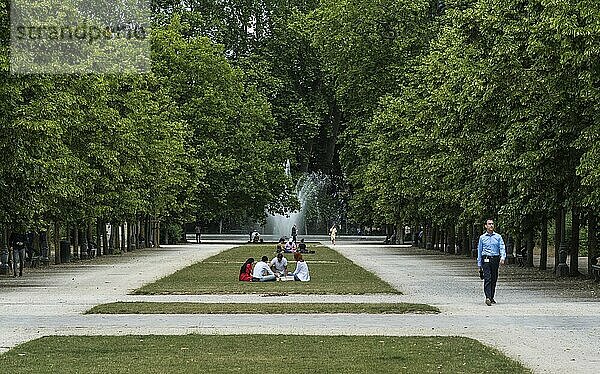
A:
<point x="275" y="270"/>
<point x="291" y="247"/>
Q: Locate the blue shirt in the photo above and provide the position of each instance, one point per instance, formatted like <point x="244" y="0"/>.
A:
<point x="490" y="245"/>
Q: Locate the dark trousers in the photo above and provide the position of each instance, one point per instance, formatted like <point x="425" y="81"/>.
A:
<point x="490" y="276"/>
<point x="18" y="259"/>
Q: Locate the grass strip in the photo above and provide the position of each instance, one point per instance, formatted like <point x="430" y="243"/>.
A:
<point x="330" y="272"/>
<point x="249" y="353"/>
<point x="258" y="308"/>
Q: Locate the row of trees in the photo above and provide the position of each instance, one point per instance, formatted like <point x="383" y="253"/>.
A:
<point x="460" y="110"/>
<point x="189" y="140"/>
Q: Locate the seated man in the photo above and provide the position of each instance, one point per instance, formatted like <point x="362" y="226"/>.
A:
<point x="262" y="272"/>
<point x="255" y="237"/>
<point x="302" y="247"/>
<point x="279" y="265"/>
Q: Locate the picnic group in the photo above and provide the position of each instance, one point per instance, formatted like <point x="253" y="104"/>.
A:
<point x="276" y="269"/>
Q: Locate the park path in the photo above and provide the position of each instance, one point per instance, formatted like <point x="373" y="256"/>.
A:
<point x="548" y="334"/>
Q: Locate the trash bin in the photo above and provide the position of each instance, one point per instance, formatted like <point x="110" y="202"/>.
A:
<point x="65" y="251"/>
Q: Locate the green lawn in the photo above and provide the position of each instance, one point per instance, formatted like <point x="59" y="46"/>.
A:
<point x="255" y="354"/>
<point x="330" y="273"/>
<point x="258" y="308"/>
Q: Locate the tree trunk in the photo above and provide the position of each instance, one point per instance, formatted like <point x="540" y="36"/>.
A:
<point x="452" y="239"/>
<point x="475" y="240"/>
<point x="75" y="241"/>
<point x="116" y="242"/>
<point x="111" y="240"/>
<point x="105" y="243"/>
<point x="558" y="224"/>
<point x="157" y="244"/>
<point x="574" y="245"/>
<point x="99" y="238"/>
<point x="592" y="240"/>
<point x="56" y="242"/>
<point x="529" y="245"/>
<point x="130" y="230"/>
<point x="465" y="241"/>
<point x="124" y="228"/>
<point x="428" y="236"/>
<point x="147" y="232"/>
<point x="4" y="242"/>
<point x="166" y="237"/>
<point x="544" y="244"/>
<point x="89" y="233"/>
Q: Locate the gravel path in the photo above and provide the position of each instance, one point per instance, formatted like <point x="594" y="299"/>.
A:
<point x="548" y="334"/>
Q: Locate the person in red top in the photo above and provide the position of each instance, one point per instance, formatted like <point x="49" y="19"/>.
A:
<point x="246" y="270"/>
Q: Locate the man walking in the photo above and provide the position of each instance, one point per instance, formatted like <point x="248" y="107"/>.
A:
<point x="491" y="252"/>
<point x="294" y="233"/>
<point x="18" y="244"/>
<point x="198" y="232"/>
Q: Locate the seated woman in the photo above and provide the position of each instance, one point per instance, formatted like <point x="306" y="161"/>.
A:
<point x="301" y="273"/>
<point x="280" y="246"/>
<point x="246" y="270"/>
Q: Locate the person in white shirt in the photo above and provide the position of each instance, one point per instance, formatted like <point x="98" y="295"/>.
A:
<point x="301" y="273"/>
<point x="262" y="272"/>
<point x="290" y="246"/>
<point x="279" y="265"/>
<point x="332" y="234"/>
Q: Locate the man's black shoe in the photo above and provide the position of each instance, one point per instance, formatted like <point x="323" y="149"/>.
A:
<point x="488" y="302"/>
<point x="493" y="301"/>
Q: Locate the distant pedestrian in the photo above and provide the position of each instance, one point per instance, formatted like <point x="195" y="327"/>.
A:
<point x="332" y="234"/>
<point x="491" y="252"/>
<point x="18" y="244"/>
<point x="294" y="233"/>
<point x="198" y="231"/>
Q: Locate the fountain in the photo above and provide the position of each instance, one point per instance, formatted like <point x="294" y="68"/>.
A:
<point x="307" y="190"/>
